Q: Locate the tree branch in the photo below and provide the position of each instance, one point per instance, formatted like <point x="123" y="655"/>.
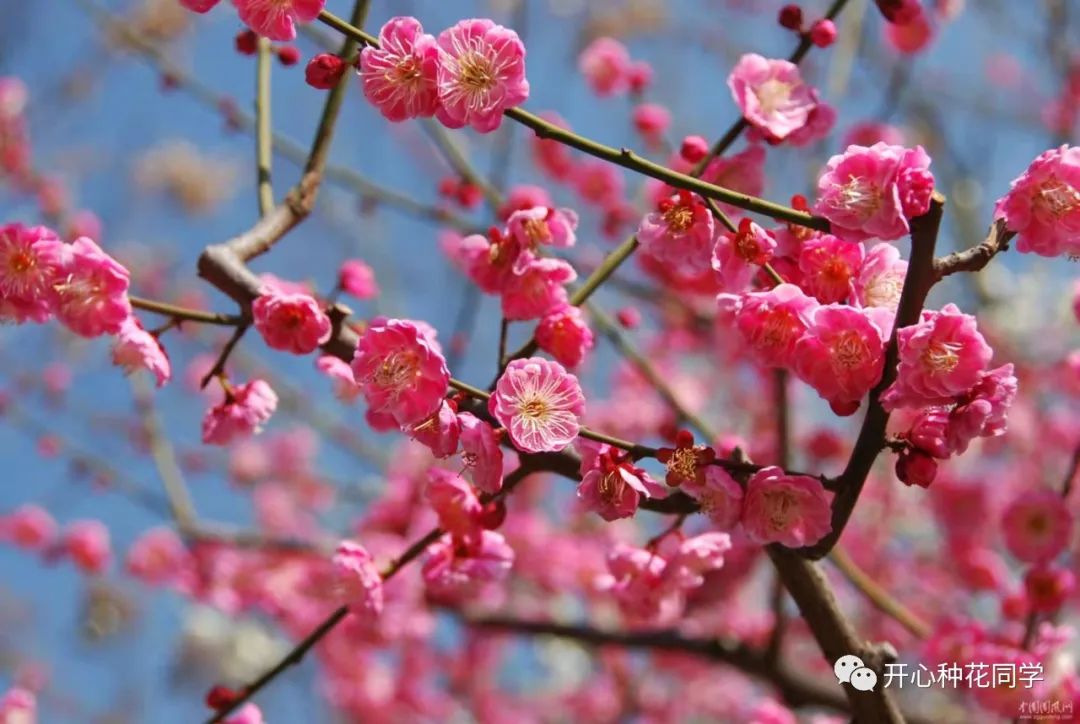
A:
<point x="977" y="257"/>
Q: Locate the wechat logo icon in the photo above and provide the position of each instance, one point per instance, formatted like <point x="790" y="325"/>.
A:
<point x="851" y="670"/>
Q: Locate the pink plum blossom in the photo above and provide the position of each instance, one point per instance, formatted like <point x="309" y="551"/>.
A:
<point x="290" y="322"/>
<point x="399" y="77"/>
<point x="874" y="192"/>
<point x="90" y="289"/>
<point x="357" y="582"/>
<point x="158" y="557"/>
<point x="1037" y="525"/>
<point x="718" y="496"/>
<point x="612" y="486"/>
<point x="772" y="322"/>
<point x="439" y="432"/>
<point x="489" y="261"/>
<point x="276" y="19"/>
<point x="982" y="411"/>
<point x="537" y="289"/>
<point x="539" y="403"/>
<point x="455" y="568"/>
<point x="605" y="63"/>
<point x="86" y="542"/>
<point x="28" y="271"/>
<point x="941" y="357"/>
<point x="401" y="370"/>
<point x="357" y="279"/>
<point x="18" y="705"/>
<point x="481" y="74"/>
<point x="29" y="526"/>
<point x="564" y="334"/>
<point x="738" y="256"/>
<point x="543" y="226"/>
<point x="793" y="510"/>
<point x="481" y="453"/>
<point x="249" y="713"/>
<point x="881" y="278"/>
<point x="829" y="266"/>
<point x="681" y="233"/>
<point x="136" y="349"/>
<point x="454" y="501"/>
<point x="242" y="413"/>
<point x="341" y="374"/>
<point x="1043" y="204"/>
<point x="843" y="353"/>
<point x="771" y="95"/>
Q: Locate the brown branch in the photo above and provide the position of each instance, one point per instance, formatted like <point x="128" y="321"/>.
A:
<point x="917" y="284"/>
<point x="977" y="257"/>
<point x="161" y="450"/>
<point x="185" y="314"/>
<point x="882" y="599"/>
<point x="263" y="135"/>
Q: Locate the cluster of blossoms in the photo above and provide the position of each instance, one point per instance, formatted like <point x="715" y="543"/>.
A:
<point x="468" y="76"/>
<point x="14" y="134"/>
<point x="84" y="542"/>
<point x="1042" y="206"/>
<point x="608" y="69"/>
<point x="508" y="262"/>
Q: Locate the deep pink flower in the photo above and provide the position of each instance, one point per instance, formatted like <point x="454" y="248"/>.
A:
<point x="489" y="261"/>
<point x="929" y="432"/>
<point x="842" y="354"/>
<point x="1043" y="204"/>
<point x="357" y="582"/>
<point x="324" y="71"/>
<point x="86" y="542"/>
<point x="158" y="557"/>
<point x="912" y="36"/>
<point x="738" y="256"/>
<point x="916" y="467"/>
<point x="1048" y="586"/>
<point x="28" y="271"/>
<point x="772" y="322"/>
<point x="400" y="76"/>
<point x="771" y="94"/>
<point x="718" y="496"/>
<point x="605" y="63"/>
<point x="1037" y="525"/>
<point x="290" y="322"/>
<point x="339" y="371"/>
<point x="537" y="289"/>
<point x="136" y="349"/>
<point x="249" y="713"/>
<point x="357" y="279"/>
<point x="982" y="412"/>
<point x="543" y="226"/>
<point x="240" y="414"/>
<point x="680" y="234"/>
<point x="457" y="569"/>
<point x="652" y="121"/>
<point x="789" y="509"/>
<point x="276" y="19"/>
<point x="481" y="453"/>
<point x="539" y="403"/>
<point x="90" y="289"/>
<point x="454" y="501"/>
<point x="829" y="266"/>
<point x="439" y="432"/>
<point x="872" y="192"/>
<point x="401" y="370"/>
<point x="28" y="526"/>
<point x="819" y="125"/>
<point x="941" y="357"/>
<point x="612" y="486"/>
<point x="481" y="73"/>
<point x="19" y="705"/>
<point x="881" y="278"/>
<point x="564" y="334"/>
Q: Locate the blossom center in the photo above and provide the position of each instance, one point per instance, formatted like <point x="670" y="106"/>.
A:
<point x="860" y="196"/>
<point x="610" y="486"/>
<point x="535" y="408"/>
<point x="782" y="506"/>
<point x="1057" y="198"/>
<point x="747" y="247"/>
<point x="683" y="463"/>
<point x="397" y="370"/>
<point x="477" y="72"/>
<point x="772" y="94"/>
<point x="849" y="350"/>
<point x="941" y="357"/>
<point x="679" y="218"/>
<point x="537" y="230"/>
<point x="406" y="72"/>
<point x="779" y="327"/>
<point x="836" y="271"/>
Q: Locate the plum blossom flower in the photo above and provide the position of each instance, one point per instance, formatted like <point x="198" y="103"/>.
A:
<point x="400" y="76"/>
<point x="29" y="526"/>
<point x="481" y="453"/>
<point x="842" y="353"/>
<point x="454" y="501"/>
<point x="339" y="371"/>
<point x="276" y="19"/>
<point x="772" y="322"/>
<point x="982" y="411"/>
<point x="771" y="95"/>
<point x="249" y="713"/>
<point x="357" y="279"/>
<point x="681" y="233"/>
<point x="686" y="462"/>
<point x="242" y="413"/>
<point x="612" y="486"/>
<point x="564" y="334"/>
<point x="873" y="192"/>
<point x="605" y="63"/>
<point x="481" y="73"/>
<point x="718" y="496"/>
<point x="539" y="403"/>
<point x="290" y="322"/>
<point x="357" y="582"/>
<point x="829" y="266"/>
<point x="89" y="289"/>
<point x="793" y="510"/>
<point x="440" y="431"/>
<point x="1043" y="204"/>
<point x="941" y="357"/>
<point x="489" y="261"/>
<point x="543" y="226"/>
<point x="401" y="370"/>
<point x="1037" y="526"/>
<point x="18" y="705"/>
<point x="86" y="542"/>
<point x="537" y="289"/>
<point x="1048" y="586"/>
<point x="881" y="278"/>
<point x="456" y="568"/>
<point x="28" y="257"/>
<point x="158" y="557"/>
<point x="136" y="349"/>
<point x="738" y="256"/>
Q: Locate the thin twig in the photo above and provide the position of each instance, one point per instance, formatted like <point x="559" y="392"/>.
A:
<point x="185" y="314"/>
<point x="882" y="599"/>
<point x="263" y="136"/>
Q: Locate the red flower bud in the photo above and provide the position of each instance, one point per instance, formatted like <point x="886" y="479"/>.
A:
<point x="823" y="33"/>
<point x="247" y="42"/>
<point x="790" y="17"/>
<point x="914" y="467"/>
<point x="288" y="55"/>
<point x="693" y="149"/>
<point x="324" y="71"/>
